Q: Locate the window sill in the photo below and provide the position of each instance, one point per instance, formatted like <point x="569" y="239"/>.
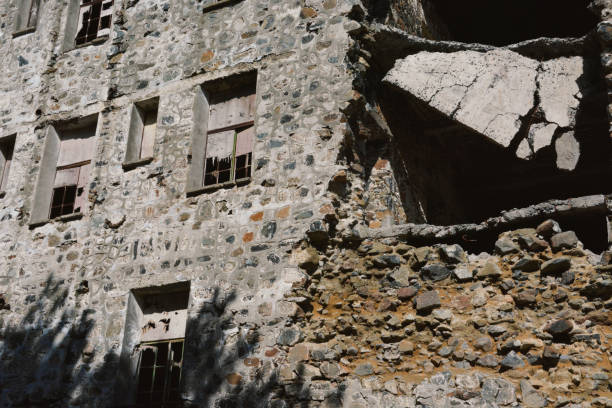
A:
<point x="24" y="31"/>
<point x="97" y="41"/>
<point x="63" y="218"/>
<point x="219" y="4"/>
<point x="131" y="165"/>
<point x="214" y="187"/>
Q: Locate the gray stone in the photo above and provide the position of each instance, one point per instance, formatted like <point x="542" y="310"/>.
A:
<point x="364" y="369"/>
<point x="568" y="151"/>
<point x="548" y="228"/>
<point x="452" y="254"/>
<point x="483" y="343"/>
<point x="527" y="264"/>
<point x="531" y="397"/>
<point x="556" y="266"/>
<point x="489" y="271"/>
<point x="435" y="272"/>
<point x="512" y="360"/>
<point x="427" y="301"/>
<point x="462" y="274"/>
<point x="560" y="328"/>
<point x="488" y="360"/>
<point x="289" y="337"/>
<point x="505" y="246"/>
<point x="564" y="240"/>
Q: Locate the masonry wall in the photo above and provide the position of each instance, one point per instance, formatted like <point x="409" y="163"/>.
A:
<point x="266" y="263"/>
<point x="65" y="285"/>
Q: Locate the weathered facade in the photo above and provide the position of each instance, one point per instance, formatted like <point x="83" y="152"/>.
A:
<point x="286" y="203"/>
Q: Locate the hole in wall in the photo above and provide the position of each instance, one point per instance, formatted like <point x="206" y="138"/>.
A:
<point x="504" y="22"/>
<point x="458" y="176"/>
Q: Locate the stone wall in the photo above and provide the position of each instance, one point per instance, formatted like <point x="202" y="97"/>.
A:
<point x="306" y="287"/>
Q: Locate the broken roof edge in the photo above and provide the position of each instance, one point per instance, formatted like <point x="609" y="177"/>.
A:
<point x="591" y="204"/>
<point x="544" y="48"/>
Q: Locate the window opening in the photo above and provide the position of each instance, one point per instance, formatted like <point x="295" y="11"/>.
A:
<point x="94" y="20"/>
<point x="231" y="130"/>
<point x="159" y="373"/>
<point x="6" y="157"/>
<point x="68" y="189"/>
<point x="72" y="171"/>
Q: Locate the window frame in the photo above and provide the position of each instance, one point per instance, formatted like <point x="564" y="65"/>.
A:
<point x="140" y="111"/>
<point x="98" y="39"/>
<point x="7" y="150"/>
<point x="206" y="96"/>
<point x="24" y="24"/>
<point x="232" y="180"/>
<point x="79" y="165"/>
<point x="47" y="171"/>
<point x="168" y="368"/>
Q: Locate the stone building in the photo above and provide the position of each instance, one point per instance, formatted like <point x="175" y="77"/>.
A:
<point x="318" y="203"/>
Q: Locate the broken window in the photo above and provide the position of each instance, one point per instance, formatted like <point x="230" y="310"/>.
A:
<point x="231" y="129"/>
<point x="159" y="373"/>
<point x="7" y="145"/>
<point x="478" y="21"/>
<point x="143" y="129"/>
<point x="153" y="346"/>
<point x="94" y="20"/>
<point x="223" y="133"/>
<point x="62" y="186"/>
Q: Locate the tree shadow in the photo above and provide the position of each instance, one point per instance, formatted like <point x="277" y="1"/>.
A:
<point x="46" y="359"/>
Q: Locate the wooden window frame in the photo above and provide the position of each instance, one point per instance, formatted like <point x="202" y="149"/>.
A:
<point x="79" y="166"/>
<point x="170" y="365"/>
<point x="97" y="38"/>
<point x="232" y="179"/>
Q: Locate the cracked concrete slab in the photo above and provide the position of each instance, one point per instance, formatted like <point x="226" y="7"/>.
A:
<point x="559" y="91"/>
<point x="500" y="94"/>
<point x="488" y="92"/>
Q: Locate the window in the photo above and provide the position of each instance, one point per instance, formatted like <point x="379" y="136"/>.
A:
<point x="224" y="131"/>
<point x="7" y="145"/>
<point x="27" y="17"/>
<point x="141" y="137"/>
<point x="94" y="20"/>
<point x="153" y="347"/>
<point x="62" y="187"/>
<point x="159" y="374"/>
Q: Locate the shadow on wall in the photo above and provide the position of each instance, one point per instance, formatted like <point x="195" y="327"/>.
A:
<point x="46" y="360"/>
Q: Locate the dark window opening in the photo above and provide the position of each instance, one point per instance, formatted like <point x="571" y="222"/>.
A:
<point x="94" y="20"/>
<point x="7" y="146"/>
<point x="504" y="22"/>
<point x="63" y="201"/>
<point x="159" y="374"/>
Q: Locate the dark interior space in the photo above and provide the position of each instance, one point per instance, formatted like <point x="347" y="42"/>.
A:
<point x="504" y="22"/>
<point x="459" y="176"/>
